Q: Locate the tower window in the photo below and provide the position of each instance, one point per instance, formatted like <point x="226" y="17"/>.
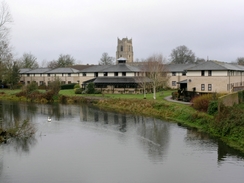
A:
<point x="121" y="48"/>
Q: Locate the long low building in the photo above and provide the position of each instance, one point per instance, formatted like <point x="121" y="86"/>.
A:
<point x="206" y="77"/>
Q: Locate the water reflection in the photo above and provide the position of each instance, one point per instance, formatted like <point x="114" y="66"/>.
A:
<point x="153" y="135"/>
<point x="203" y="141"/>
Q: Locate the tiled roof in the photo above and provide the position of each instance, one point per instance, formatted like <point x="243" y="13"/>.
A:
<point x="81" y="67"/>
<point x="22" y="71"/>
<point x="178" y="67"/>
<point x="38" y="71"/>
<point x="215" y="65"/>
<point x="112" y="68"/>
<point x="95" y="68"/>
<point x="63" y="70"/>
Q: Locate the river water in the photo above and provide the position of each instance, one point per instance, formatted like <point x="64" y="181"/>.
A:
<point x="88" y="145"/>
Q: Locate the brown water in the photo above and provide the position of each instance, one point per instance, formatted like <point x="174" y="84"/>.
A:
<point x="84" y="144"/>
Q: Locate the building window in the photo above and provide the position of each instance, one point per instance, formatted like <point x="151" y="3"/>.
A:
<point x="173" y="83"/>
<point x="28" y="82"/>
<point x="83" y="74"/>
<point x="69" y="82"/>
<point x="96" y="74"/>
<point x="209" y="73"/>
<point x="203" y="87"/>
<point x="123" y="73"/>
<point x="105" y="74"/>
<point x="129" y="48"/>
<point x="28" y="75"/>
<point x="121" y="48"/>
<point x="41" y="83"/>
<point x="48" y="75"/>
<point x="202" y="73"/>
<point x="69" y="74"/>
<point x="173" y="73"/>
<point x="209" y="87"/>
<point x="40" y="74"/>
<point x="116" y="74"/>
<point x="62" y="82"/>
<point x="184" y="74"/>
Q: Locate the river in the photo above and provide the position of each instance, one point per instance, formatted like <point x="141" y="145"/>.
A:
<point x="88" y="145"/>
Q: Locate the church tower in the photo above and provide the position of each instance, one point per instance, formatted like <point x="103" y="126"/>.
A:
<point x="125" y="50"/>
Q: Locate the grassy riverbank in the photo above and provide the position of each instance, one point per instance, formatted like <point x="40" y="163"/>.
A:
<point x="230" y="131"/>
<point x="227" y="125"/>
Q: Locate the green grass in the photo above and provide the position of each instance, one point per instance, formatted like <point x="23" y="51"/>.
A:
<point x="159" y="95"/>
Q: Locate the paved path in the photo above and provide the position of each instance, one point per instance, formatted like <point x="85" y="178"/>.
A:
<point x="168" y="98"/>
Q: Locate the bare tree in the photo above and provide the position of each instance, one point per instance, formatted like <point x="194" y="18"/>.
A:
<point x="65" y="60"/>
<point x="156" y="71"/>
<point x="6" y="57"/>
<point x="28" y="61"/>
<point x="182" y="55"/>
<point x="52" y="64"/>
<point x="106" y="59"/>
<point x="240" y="60"/>
<point x="5" y="20"/>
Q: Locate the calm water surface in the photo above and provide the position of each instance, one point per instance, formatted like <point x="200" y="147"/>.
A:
<point x="84" y="144"/>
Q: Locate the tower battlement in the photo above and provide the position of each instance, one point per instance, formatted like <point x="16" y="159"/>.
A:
<point x="125" y="49"/>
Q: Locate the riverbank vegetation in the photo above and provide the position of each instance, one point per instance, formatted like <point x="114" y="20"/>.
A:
<point x="20" y="130"/>
<point x="203" y="114"/>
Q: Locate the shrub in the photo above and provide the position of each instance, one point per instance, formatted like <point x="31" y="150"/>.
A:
<point x="68" y="86"/>
<point x="91" y="88"/>
<point x="31" y="87"/>
<point x="212" y="107"/>
<point x="77" y="86"/>
<point x="78" y="91"/>
<point x="98" y="92"/>
<point x="42" y="87"/>
<point x="201" y="103"/>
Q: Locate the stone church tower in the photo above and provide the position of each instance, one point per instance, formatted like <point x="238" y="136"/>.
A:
<point x="125" y="50"/>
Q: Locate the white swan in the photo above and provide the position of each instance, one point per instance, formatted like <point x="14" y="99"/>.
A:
<point x="49" y="119"/>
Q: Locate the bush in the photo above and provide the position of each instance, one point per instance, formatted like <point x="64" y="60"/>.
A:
<point x="77" y="86"/>
<point x="68" y="86"/>
<point x="31" y="87"/>
<point x="213" y="107"/>
<point x="91" y="88"/>
<point x="78" y="91"/>
<point x="98" y="92"/>
<point x="201" y="103"/>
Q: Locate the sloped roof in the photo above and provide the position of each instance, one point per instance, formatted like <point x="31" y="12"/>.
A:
<point x="215" y="65"/>
<point x="80" y="67"/>
<point x="121" y="68"/>
<point x="95" y="68"/>
<point x="22" y="71"/>
<point x="112" y="68"/>
<point x="179" y="67"/>
<point x="63" y="70"/>
<point x="38" y="71"/>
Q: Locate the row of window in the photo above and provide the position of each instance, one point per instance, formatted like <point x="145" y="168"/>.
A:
<point x="84" y="74"/>
<point x="42" y="82"/>
<point x="202" y="86"/>
<point x="202" y="73"/>
<point x="48" y="75"/>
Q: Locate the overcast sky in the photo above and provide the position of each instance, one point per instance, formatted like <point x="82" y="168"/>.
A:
<point x="85" y="29"/>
